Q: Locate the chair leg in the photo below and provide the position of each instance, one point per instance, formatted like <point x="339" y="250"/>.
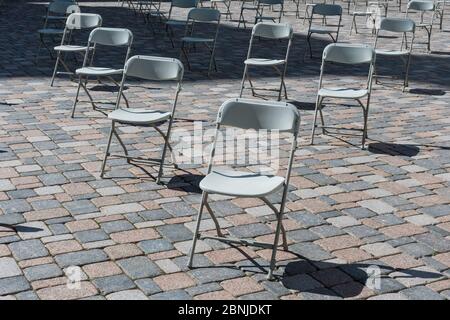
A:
<point x="107" y="149"/>
<point x="275" y="245"/>
<point x="197" y="228"/>
<point x="406" y="82"/>
<point x="163" y="155"/>
<point x="55" y="69"/>
<point x="76" y="97"/>
<point x="308" y="40"/>
<point x="243" y="80"/>
<point x="313" y="131"/>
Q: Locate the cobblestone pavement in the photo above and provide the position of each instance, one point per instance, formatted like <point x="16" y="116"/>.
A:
<point x="349" y="209"/>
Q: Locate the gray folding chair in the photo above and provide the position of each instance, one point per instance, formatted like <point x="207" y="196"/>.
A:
<point x="154" y="69"/>
<point x="399" y="26"/>
<point x="269" y="31"/>
<point x="250" y="5"/>
<point x="264" y="5"/>
<point x="227" y="4"/>
<point x="440" y="11"/>
<point x="76" y="21"/>
<point x="367" y="10"/>
<point x="345" y="54"/>
<point x="425" y="9"/>
<point x="201" y="18"/>
<point x="53" y="28"/>
<point x="171" y="23"/>
<point x="109" y="37"/>
<point x="257" y="115"/>
<point x="325" y="12"/>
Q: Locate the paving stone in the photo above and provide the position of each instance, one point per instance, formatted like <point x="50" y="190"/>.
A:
<point x="178" y="209"/>
<point x="148" y="286"/>
<point x="421" y="293"/>
<point x="91" y="235"/>
<point x="171" y="295"/>
<point x="310" y="251"/>
<point x="139" y="267"/>
<point x="127" y="295"/>
<point x="62" y="292"/>
<point x="9" y="268"/>
<point x="44" y="271"/>
<point x="80" y="258"/>
<point x="175" y="232"/>
<point x="107" y="285"/>
<point x="13" y="285"/>
<point x="80" y="207"/>
<point x="157" y="245"/>
<point x="116" y="226"/>
<point x="307" y="219"/>
<point x="206" y="275"/>
<point x="28" y="249"/>
<point x="14" y="206"/>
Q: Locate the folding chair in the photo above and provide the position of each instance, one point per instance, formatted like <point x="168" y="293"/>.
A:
<point x="440" y="11"/>
<point x="423" y="8"/>
<point x="270" y="31"/>
<point x="345" y="54"/>
<point x="171" y="23"/>
<point x="76" y="21"/>
<point x="369" y="11"/>
<point x="310" y="4"/>
<point x="154" y="69"/>
<point x="201" y="16"/>
<point x="246" y="5"/>
<point x="57" y="13"/>
<point x="268" y="4"/>
<point x="402" y="26"/>
<point x="104" y="37"/>
<point x="227" y="4"/>
<point x="257" y="115"/>
<point x="324" y="11"/>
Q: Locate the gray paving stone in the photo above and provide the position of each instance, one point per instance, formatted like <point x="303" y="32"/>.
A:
<point x="421" y="293"/>
<point x="157" y="245"/>
<point x="171" y="295"/>
<point x="28" y="249"/>
<point x="436" y="211"/>
<point x="217" y="274"/>
<point x="307" y="219"/>
<point x="225" y="208"/>
<point x="52" y="179"/>
<point x="14" y="206"/>
<point x="148" y="286"/>
<point x="151" y="215"/>
<point x="361" y="231"/>
<point x="178" y="209"/>
<point x="263" y="295"/>
<point x="250" y="230"/>
<point x="44" y="271"/>
<point x="203" y="288"/>
<point x="302" y="235"/>
<point x="310" y="251"/>
<point x="13" y="285"/>
<point x="116" y="226"/>
<point x="9" y="268"/>
<point x="360" y="212"/>
<point x="435" y="241"/>
<point x="27" y="295"/>
<point x="110" y="284"/>
<point x="175" y="232"/>
<point x="416" y="250"/>
<point x="139" y="267"/>
<point x="300" y="282"/>
<point x="91" y="235"/>
<point x="80" y="258"/>
<point x="325" y="231"/>
<point x="80" y="207"/>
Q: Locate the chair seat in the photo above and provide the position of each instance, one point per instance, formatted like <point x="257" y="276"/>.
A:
<point x="176" y="22"/>
<point x="55" y="18"/>
<point x="386" y="52"/>
<point x="98" y="71"/>
<point x="322" y="30"/>
<point x="362" y="13"/>
<point x="196" y="39"/>
<point x="70" y="48"/>
<point x="51" y="31"/>
<point x="263" y="62"/>
<point x="240" y="184"/>
<point x="343" y="93"/>
<point x="138" y="116"/>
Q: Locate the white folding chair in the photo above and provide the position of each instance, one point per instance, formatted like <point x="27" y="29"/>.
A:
<point x="325" y="12"/>
<point x="108" y="37"/>
<point x="268" y="31"/>
<point x="250" y="5"/>
<point x="426" y="11"/>
<point x="76" y="21"/>
<point x="345" y="54"/>
<point x="269" y="4"/>
<point x="201" y="18"/>
<point x="154" y="69"/>
<point x="53" y="28"/>
<point x="440" y="11"/>
<point x="403" y="27"/>
<point x="171" y="22"/>
<point x="256" y="115"/>
<point x="367" y="10"/>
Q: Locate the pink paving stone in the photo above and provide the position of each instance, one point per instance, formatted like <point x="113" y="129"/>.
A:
<point x="403" y="230"/>
<point x="241" y="219"/>
<point x="63" y="247"/>
<point x="443" y="258"/>
<point x="164" y="255"/>
<point x="315" y="205"/>
<point x="352" y="255"/>
<point x="215" y="295"/>
<point x="247" y="202"/>
<point x="240" y="286"/>
<point x="281" y="254"/>
<point x="134" y="235"/>
<point x="122" y="251"/>
<point x="339" y="242"/>
<point x="102" y="269"/>
<point x="81" y="225"/>
<point x="228" y="255"/>
<point x="174" y="281"/>
<point x="402" y="261"/>
<point x="46" y="214"/>
<point x="439" y="285"/>
<point x="78" y="188"/>
<point x="36" y="285"/>
<point x="4" y="251"/>
<point x="35" y="262"/>
<point x="86" y="289"/>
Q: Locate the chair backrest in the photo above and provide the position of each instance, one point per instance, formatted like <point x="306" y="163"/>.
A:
<point x="184" y="3"/>
<point x="60" y="7"/>
<point x="83" y="21"/>
<point x="154" y="68"/>
<point x="397" y="25"/>
<point x="348" y="53"/>
<point x="421" y="5"/>
<point x="259" y="115"/>
<point x="271" y="30"/>
<point x="271" y="2"/>
<point x="111" y="36"/>
<point x="204" y="15"/>
<point x="325" y="9"/>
